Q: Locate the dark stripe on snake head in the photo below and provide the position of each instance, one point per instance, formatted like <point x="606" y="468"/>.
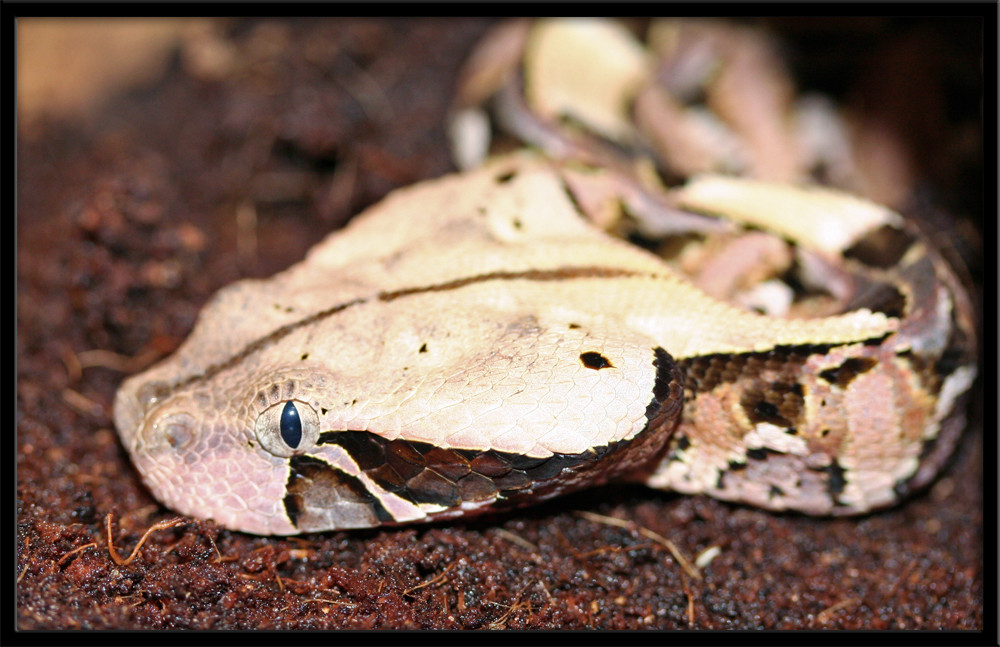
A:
<point x="846" y="372"/>
<point x="318" y="493"/>
<point x="546" y="275"/>
<point x="425" y="473"/>
<point x="882" y="248"/>
<point x="422" y="472"/>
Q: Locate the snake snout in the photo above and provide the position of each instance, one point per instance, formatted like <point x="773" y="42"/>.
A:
<point x="133" y="404"/>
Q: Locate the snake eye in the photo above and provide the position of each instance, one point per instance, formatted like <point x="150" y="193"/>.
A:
<point x="291" y="425"/>
<point x="287" y="428"/>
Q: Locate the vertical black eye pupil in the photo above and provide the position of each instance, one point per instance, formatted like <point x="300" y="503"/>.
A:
<point x="291" y="425"/>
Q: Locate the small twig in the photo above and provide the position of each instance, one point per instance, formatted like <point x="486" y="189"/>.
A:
<point x="80" y="402"/>
<point x="99" y="357"/>
<point x="546" y="591"/>
<point x="690" y="601"/>
<point x="368" y="92"/>
<point x="73" y="552"/>
<point x="902" y="578"/>
<point x="138" y="596"/>
<point x="435" y="580"/>
<point x="246" y="233"/>
<point x="823" y="616"/>
<point x="611" y="549"/>
<point x="649" y="534"/>
<point x="516" y="539"/>
<point x="105" y="359"/>
<point x="72" y="363"/>
<point x="161" y="525"/>
<point x="333" y="602"/>
<point x="501" y="622"/>
<point x="218" y="554"/>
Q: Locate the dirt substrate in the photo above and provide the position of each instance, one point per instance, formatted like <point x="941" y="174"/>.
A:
<point x="128" y="222"/>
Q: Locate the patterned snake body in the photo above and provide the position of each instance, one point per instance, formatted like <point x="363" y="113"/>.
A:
<point x="475" y="342"/>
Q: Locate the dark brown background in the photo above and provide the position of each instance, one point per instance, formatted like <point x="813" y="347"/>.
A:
<point x="247" y="143"/>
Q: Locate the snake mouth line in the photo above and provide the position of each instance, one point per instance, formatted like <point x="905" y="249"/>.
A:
<point x="424" y="474"/>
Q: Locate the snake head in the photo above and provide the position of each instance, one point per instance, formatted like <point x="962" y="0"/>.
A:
<point x="413" y="368"/>
<point x="276" y="448"/>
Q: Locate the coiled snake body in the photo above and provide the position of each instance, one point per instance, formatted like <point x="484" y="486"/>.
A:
<point x="476" y="342"/>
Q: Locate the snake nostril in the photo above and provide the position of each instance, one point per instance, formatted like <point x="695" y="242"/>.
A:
<point x="175" y="430"/>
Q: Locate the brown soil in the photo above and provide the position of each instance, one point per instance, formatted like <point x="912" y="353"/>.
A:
<point x="130" y="220"/>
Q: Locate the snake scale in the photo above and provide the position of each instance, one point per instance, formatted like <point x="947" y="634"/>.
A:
<point x="480" y="341"/>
